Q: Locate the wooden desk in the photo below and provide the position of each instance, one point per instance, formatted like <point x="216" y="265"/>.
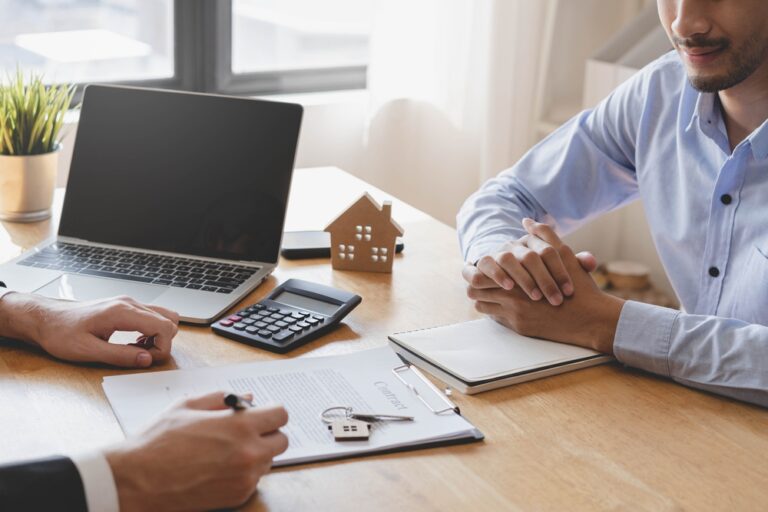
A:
<point x="602" y="438"/>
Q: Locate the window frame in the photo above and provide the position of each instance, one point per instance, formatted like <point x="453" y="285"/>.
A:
<point x="203" y="60"/>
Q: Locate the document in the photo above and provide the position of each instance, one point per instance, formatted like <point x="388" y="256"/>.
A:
<point x="306" y="387"/>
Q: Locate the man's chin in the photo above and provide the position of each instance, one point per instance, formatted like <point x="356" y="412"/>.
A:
<point x="711" y="82"/>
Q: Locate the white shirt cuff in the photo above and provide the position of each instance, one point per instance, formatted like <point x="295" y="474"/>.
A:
<point x="98" y="482"/>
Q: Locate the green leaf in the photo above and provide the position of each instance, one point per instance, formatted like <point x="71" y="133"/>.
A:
<point x="32" y="113"/>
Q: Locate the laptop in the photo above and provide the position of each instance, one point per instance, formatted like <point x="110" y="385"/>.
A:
<point x="175" y="199"/>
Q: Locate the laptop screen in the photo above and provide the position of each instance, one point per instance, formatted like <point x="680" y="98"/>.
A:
<point x="187" y="173"/>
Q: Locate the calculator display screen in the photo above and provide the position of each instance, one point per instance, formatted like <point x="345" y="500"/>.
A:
<point x="300" y="301"/>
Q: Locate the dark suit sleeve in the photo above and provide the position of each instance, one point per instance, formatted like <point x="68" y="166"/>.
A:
<point x="42" y="485"/>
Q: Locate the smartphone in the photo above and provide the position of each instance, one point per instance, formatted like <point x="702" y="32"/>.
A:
<point x="312" y="244"/>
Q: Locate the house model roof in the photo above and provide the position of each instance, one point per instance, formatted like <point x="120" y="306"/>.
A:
<point x="366" y="202"/>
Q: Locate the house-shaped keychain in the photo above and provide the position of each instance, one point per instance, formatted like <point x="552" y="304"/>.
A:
<point x="363" y="237"/>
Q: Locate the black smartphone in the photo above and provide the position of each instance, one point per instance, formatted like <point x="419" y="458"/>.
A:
<point x="312" y="244"/>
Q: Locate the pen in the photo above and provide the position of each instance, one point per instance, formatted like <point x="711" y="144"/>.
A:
<point x="237" y="402"/>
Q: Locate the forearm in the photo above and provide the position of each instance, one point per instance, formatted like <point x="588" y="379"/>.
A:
<point x="493" y="216"/>
<point x="21" y="316"/>
<point x="724" y="356"/>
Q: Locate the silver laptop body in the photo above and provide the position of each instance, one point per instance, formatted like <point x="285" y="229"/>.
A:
<point x="174" y="199"/>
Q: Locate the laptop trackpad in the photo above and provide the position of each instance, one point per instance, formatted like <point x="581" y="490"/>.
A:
<point x="76" y="287"/>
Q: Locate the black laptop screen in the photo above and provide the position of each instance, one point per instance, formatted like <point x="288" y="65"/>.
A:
<point x="185" y="173"/>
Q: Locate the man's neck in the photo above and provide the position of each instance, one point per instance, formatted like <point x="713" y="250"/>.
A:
<point x="745" y="106"/>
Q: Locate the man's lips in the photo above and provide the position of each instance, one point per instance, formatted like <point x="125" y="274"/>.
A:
<point x="705" y="50"/>
<point x="702" y="55"/>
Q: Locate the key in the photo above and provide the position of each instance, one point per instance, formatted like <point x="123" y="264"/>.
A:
<point x="370" y="417"/>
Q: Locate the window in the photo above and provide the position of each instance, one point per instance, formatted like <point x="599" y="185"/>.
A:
<point x="228" y="46"/>
<point x="88" y="41"/>
<point x="280" y="35"/>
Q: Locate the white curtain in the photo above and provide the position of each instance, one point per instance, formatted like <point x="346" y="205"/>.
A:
<point x="453" y="93"/>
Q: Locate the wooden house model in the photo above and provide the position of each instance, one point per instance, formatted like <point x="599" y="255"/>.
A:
<point x="363" y="237"/>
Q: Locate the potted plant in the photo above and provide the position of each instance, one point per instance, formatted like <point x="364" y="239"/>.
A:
<point x="31" y="118"/>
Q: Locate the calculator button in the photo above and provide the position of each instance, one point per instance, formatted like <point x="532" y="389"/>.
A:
<point x="265" y="333"/>
<point x="273" y="328"/>
<point x="251" y="329"/>
<point x="226" y="323"/>
<point x="303" y="325"/>
<point x="234" y="318"/>
<point x="258" y="307"/>
<point x="248" y="321"/>
<point x="319" y="318"/>
<point x="268" y="320"/>
<point x="260" y="325"/>
<point x="289" y="320"/>
<point x="273" y="310"/>
<point x="283" y="335"/>
<point x="244" y="313"/>
<point x="276" y="316"/>
<point x="263" y="312"/>
<point x="240" y="326"/>
<point x="280" y="323"/>
<point x="295" y="328"/>
<point x="312" y="321"/>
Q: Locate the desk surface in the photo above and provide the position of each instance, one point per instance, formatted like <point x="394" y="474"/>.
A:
<point x="601" y="438"/>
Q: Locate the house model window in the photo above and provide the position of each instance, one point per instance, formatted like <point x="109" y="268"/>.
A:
<point x="364" y="236"/>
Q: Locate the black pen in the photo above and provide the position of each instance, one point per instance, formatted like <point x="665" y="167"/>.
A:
<point x="237" y="402"/>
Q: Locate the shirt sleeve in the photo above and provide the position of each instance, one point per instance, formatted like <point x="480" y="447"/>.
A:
<point x="720" y="355"/>
<point x="584" y="169"/>
<point x="98" y="482"/>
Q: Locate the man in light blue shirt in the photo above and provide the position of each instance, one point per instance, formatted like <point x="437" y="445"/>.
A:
<point x="688" y="136"/>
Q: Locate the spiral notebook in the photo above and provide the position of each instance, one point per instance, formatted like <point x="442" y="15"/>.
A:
<point x="481" y="355"/>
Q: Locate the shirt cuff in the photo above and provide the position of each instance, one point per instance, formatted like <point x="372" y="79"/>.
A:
<point x="643" y="336"/>
<point x="478" y="250"/>
<point x="98" y="482"/>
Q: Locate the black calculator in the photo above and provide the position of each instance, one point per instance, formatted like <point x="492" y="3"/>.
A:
<point x="295" y="313"/>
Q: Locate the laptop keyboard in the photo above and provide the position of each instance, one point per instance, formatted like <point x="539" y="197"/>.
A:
<point x="136" y="266"/>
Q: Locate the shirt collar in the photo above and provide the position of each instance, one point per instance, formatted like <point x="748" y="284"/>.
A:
<point x="758" y="139"/>
<point x="703" y="111"/>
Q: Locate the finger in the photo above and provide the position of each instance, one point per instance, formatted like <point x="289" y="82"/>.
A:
<point x="587" y="260"/>
<point x="477" y="279"/>
<point x="489" y="266"/>
<point x="266" y="419"/>
<point x="489" y="308"/>
<point x="543" y="231"/>
<point x="126" y="317"/>
<point x="275" y="442"/>
<point x="511" y="262"/>
<point x="554" y="266"/>
<point x="209" y="402"/>
<point x="127" y="356"/>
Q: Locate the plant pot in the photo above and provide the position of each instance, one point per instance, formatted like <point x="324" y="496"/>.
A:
<point x="26" y="186"/>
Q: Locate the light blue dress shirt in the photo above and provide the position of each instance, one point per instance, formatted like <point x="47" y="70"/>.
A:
<point x="658" y="139"/>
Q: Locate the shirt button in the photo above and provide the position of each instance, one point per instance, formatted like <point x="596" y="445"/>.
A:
<point x="726" y="199"/>
<point x="714" y="271"/>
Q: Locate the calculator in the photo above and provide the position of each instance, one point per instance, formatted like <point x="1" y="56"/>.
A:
<point x="295" y="313"/>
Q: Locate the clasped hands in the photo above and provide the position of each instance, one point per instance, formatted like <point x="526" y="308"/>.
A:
<point x="538" y="287"/>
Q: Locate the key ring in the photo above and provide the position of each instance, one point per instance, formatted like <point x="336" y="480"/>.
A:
<point x="326" y="419"/>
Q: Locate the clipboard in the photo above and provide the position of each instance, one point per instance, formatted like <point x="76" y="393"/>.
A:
<point x="373" y="380"/>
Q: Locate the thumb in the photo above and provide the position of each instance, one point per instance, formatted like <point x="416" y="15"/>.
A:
<point x="587" y="260"/>
<point x="126" y="356"/>
<point x="209" y="402"/>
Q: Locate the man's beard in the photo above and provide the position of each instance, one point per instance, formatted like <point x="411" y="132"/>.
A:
<point x="741" y="62"/>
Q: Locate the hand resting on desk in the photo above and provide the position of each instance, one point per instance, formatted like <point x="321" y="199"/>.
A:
<point x="532" y="263"/>
<point x="588" y="317"/>
<point x="78" y="331"/>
